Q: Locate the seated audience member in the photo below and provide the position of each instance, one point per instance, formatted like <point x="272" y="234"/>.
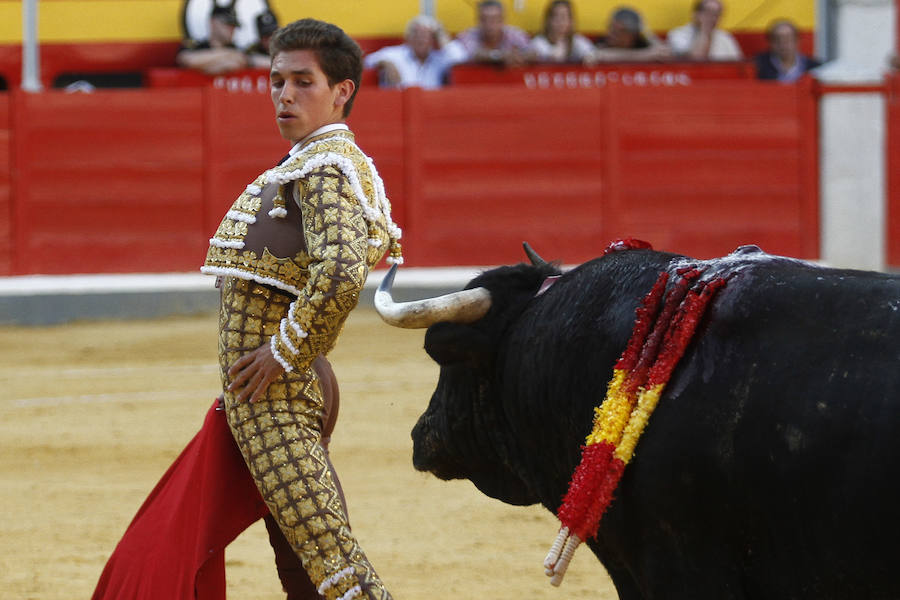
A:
<point x="218" y="54"/>
<point x="701" y="39"/>
<point x="492" y="40"/>
<point x="628" y="39"/>
<point x="258" y="53"/>
<point x="558" y="42"/>
<point x="420" y="61"/>
<point x="783" y="61"/>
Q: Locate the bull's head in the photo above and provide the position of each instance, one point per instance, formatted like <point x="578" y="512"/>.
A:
<point x="464" y="434"/>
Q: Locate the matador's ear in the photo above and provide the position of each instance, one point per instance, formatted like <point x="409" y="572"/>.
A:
<point x="345" y="90"/>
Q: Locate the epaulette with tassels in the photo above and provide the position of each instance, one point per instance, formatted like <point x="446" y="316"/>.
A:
<point x="314" y="158"/>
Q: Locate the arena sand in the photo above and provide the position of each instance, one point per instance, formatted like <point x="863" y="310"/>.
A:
<point x="91" y="415"/>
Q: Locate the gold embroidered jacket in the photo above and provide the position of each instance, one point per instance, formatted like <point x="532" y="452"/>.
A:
<point x="312" y="226"/>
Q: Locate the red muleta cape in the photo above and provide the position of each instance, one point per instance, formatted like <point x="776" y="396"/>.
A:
<point x="174" y="547"/>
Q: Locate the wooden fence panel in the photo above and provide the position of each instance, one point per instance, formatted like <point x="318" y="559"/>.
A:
<point x="130" y="181"/>
<point x="108" y="182"/>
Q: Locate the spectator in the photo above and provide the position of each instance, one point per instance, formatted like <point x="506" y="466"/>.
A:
<point x="558" y="41"/>
<point x="783" y="61"/>
<point x="628" y="39"/>
<point x="492" y="40"/>
<point x="701" y="39"/>
<point x="258" y="53"/>
<point x="419" y="62"/>
<point x="218" y="54"/>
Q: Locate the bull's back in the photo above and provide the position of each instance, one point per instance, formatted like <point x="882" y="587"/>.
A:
<point x="776" y="442"/>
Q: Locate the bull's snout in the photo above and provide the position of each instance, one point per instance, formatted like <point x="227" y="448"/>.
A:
<point x="427" y="449"/>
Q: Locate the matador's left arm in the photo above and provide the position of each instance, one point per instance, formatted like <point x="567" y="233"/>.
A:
<point x="336" y="239"/>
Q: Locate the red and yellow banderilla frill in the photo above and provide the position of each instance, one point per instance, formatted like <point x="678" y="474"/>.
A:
<point x="665" y="322"/>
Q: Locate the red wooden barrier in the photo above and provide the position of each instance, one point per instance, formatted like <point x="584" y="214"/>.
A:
<point x="699" y="170"/>
<point x="705" y="168"/>
<point x="124" y="181"/>
<point x="495" y="168"/>
<point x="108" y="182"/>
<point x="893" y="170"/>
<point x="6" y="206"/>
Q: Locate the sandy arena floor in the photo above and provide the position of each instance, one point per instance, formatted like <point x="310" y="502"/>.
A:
<point x="91" y="415"/>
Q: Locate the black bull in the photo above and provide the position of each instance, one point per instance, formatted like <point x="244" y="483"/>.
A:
<point x="769" y="468"/>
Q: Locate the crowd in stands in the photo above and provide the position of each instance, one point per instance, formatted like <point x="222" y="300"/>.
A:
<point x="218" y="53"/>
<point x="428" y="53"/>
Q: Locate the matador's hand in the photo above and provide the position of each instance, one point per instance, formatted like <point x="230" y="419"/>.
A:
<point x="253" y="372"/>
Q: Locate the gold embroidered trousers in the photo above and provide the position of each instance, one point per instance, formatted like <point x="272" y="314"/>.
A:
<point x="279" y="437"/>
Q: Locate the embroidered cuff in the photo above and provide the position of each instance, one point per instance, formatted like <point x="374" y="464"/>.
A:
<point x="286" y="339"/>
<point x="329" y="582"/>
<point x="273" y="344"/>
<point x="352" y="593"/>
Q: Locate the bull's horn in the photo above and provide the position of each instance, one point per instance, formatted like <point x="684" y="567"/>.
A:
<point x="533" y="256"/>
<point x="466" y="306"/>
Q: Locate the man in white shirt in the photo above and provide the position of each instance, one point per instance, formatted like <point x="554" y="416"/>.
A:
<point x="701" y="39"/>
<point x="421" y="61"/>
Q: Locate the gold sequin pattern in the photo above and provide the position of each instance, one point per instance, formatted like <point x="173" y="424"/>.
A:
<point x="279" y="439"/>
<point x="336" y="238"/>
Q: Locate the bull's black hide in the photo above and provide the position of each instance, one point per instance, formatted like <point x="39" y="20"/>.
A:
<point x="769" y="469"/>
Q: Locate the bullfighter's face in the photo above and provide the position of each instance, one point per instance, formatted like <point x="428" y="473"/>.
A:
<point x="302" y="96"/>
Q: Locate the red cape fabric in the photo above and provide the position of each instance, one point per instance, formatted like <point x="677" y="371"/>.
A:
<point x="174" y="547"/>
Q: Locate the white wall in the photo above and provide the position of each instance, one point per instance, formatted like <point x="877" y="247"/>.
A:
<point x="852" y="134"/>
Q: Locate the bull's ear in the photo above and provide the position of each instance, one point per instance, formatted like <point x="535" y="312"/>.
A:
<point x="450" y="343"/>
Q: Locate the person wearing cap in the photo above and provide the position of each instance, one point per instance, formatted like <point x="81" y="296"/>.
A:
<point x="218" y="54"/>
<point x="258" y="53"/>
<point x="628" y="40"/>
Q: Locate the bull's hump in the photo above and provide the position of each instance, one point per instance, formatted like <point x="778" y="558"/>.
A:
<point x="743" y="258"/>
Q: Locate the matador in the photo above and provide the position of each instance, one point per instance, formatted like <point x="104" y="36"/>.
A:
<point x="291" y="257"/>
